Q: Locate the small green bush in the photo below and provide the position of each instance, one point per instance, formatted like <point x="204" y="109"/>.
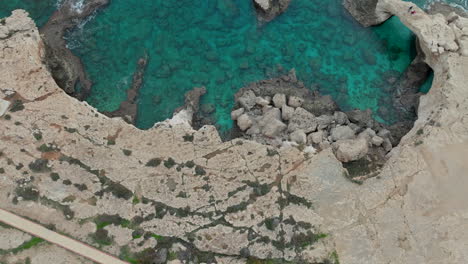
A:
<point x="54" y="176"/>
<point x="153" y="162"/>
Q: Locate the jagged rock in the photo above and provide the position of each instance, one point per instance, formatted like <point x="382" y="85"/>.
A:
<point x="324" y="121"/>
<point x="271" y="113"/>
<point x="384" y="133"/>
<point x="350" y="149"/>
<point x="340" y="118"/>
<point x="273" y="128"/>
<point x="262" y="101"/>
<point x="342" y="132"/>
<point x="3" y="106"/>
<point x="267" y="10"/>
<point x="247" y="100"/>
<point x="287" y="112"/>
<point x="279" y="100"/>
<point x="316" y="137"/>
<point x="367" y="134"/>
<point x="377" y="141"/>
<point x="364" y="11"/>
<point x="236" y="113"/>
<point x="302" y="119"/>
<point x="295" y="101"/>
<point x="244" y="122"/>
<point x="324" y="145"/>
<point x="298" y="136"/>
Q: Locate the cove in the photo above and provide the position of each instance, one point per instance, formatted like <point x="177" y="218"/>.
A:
<point x="218" y="44"/>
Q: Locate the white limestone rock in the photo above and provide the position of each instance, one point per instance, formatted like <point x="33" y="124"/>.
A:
<point x="279" y="100"/>
<point x="236" y="113"/>
<point x="295" y="101"/>
<point x="244" y="122"/>
<point x="350" y="149"/>
<point x="341" y="133"/>
<point x="298" y="136"/>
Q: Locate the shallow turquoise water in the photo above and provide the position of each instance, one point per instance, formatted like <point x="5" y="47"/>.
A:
<point x="218" y="44"/>
<point x="40" y="10"/>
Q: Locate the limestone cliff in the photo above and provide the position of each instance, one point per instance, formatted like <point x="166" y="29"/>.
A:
<point x="173" y="189"/>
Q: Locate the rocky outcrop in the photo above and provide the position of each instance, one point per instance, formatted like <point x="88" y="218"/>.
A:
<point x="128" y="109"/>
<point x="364" y="11"/>
<point x="280" y="120"/>
<point x="185" y="192"/>
<point x="66" y="68"/>
<point x="267" y="10"/>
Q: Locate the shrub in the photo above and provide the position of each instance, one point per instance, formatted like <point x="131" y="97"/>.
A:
<point x="127" y="152"/>
<point x="199" y="171"/>
<point x="153" y="162"/>
<point x="17" y="106"/>
<point x="54" y="176"/>
<point x="169" y="163"/>
<point x="39" y="165"/>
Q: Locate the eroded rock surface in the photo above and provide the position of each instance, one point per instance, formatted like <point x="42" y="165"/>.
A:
<point x="267" y="10"/>
<point x="174" y="189"/>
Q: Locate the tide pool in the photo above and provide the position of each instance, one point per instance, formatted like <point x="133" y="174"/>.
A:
<point x="218" y="44"/>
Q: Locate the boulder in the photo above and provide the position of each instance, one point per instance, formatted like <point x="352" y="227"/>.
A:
<point x="341" y="133"/>
<point x="236" y="113"/>
<point x="316" y="137"/>
<point x="377" y="141"/>
<point x="4" y="106"/>
<point x="340" y="118"/>
<point x="367" y="134"/>
<point x="298" y="136"/>
<point x="244" y="122"/>
<point x="350" y="149"/>
<point x="387" y="145"/>
<point x="302" y="119"/>
<point x="287" y="112"/>
<point x="362" y="118"/>
<point x="262" y="101"/>
<point x="273" y="128"/>
<point x="295" y="101"/>
<point x="247" y="100"/>
<point x="279" y="100"/>
<point x="324" y="121"/>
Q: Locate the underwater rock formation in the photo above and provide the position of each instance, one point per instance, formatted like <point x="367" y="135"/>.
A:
<point x="364" y="11"/>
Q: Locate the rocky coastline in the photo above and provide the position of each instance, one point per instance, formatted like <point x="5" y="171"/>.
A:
<point x="178" y="195"/>
<point x="66" y="68"/>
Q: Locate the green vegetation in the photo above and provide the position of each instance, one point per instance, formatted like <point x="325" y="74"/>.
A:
<point x="54" y="176"/>
<point x="47" y="148"/>
<point x="101" y="237"/>
<point x="39" y="165"/>
<point x="17" y="106"/>
<point x="7" y="117"/>
<point x="188" y="138"/>
<point x="169" y="163"/>
<point x="199" y="171"/>
<point x="67" y="182"/>
<point x="334" y="258"/>
<point x="135" y="200"/>
<point x="153" y="162"/>
<point x="27" y="193"/>
<point x="190" y="164"/>
<point x="70" y="130"/>
<point x="127" y="152"/>
<point x="37" y="135"/>
<point x="419" y="132"/>
<point x="81" y="187"/>
<point x="2" y="170"/>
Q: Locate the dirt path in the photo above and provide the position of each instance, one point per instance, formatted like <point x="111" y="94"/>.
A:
<point x="58" y="239"/>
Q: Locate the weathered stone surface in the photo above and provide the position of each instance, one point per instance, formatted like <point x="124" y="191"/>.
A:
<point x="295" y="101"/>
<point x="342" y="132"/>
<point x="287" y="112"/>
<point x="316" y="137"/>
<point x="267" y="10"/>
<point x="298" y="136"/>
<point x="244" y="122"/>
<point x="247" y="100"/>
<point x="236" y="113"/>
<point x="279" y="100"/>
<point x="302" y="119"/>
<point x="3" y="106"/>
<point x="413" y="212"/>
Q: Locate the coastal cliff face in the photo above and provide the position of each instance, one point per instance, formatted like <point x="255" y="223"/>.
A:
<point x="176" y="190"/>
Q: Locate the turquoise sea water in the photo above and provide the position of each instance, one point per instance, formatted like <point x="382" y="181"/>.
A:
<point x="218" y="44"/>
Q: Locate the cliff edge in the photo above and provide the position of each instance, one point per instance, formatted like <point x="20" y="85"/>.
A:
<point x="172" y="193"/>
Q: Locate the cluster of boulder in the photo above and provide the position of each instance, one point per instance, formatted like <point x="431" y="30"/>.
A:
<point x="281" y="121"/>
